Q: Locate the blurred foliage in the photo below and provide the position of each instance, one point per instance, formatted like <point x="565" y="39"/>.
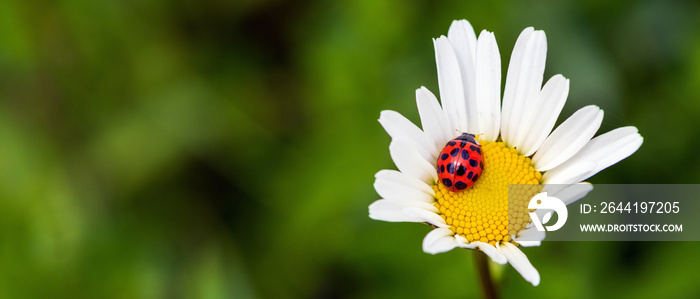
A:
<point x="166" y="149"/>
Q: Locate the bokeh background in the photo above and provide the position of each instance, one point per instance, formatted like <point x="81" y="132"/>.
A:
<point x="226" y="149"/>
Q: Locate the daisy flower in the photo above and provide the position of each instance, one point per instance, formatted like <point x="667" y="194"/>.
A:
<point x="518" y="147"/>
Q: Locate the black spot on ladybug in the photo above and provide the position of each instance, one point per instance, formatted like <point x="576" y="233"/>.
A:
<point x="442" y="168"/>
<point x="461" y="170"/>
<point x="470" y="175"/>
<point x="444" y="156"/>
<point x="462" y="144"/>
<point x="451" y="143"/>
<point x="460" y="185"/>
<point x="476" y="177"/>
<point x="447" y="182"/>
<point x="465" y="154"/>
<point x="454" y="152"/>
<point x="451" y="168"/>
<point x="475" y="148"/>
<point x="473" y="163"/>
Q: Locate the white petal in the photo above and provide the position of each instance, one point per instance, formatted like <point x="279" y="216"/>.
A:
<point x="523" y="82"/>
<point x="391" y="190"/>
<point x="450" y="83"/>
<point x="463" y="40"/>
<point x="492" y="252"/>
<point x="392" y="179"/>
<point x="530" y="237"/>
<point x="464" y="243"/>
<point x="392" y="210"/>
<point x="427" y="216"/>
<point x="538" y="46"/>
<point x="509" y="94"/>
<point x="403" y="129"/>
<point x="570" y="175"/>
<point x="568" y="138"/>
<point x="569" y="193"/>
<point x="544" y="114"/>
<point x="606" y="150"/>
<point x="432" y="117"/>
<point x="520" y="262"/>
<point x="461" y="35"/>
<point x="439" y="240"/>
<point x="410" y="162"/>
<point x="488" y="87"/>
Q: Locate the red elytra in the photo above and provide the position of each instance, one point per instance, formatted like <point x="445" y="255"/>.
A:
<point x="460" y="163"/>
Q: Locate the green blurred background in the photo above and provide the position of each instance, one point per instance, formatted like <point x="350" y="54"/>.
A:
<point x="218" y="149"/>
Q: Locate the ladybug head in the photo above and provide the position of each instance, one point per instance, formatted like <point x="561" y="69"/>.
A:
<point x="468" y="138"/>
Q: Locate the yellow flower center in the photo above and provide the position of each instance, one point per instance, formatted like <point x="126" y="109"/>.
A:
<point x="483" y="212"/>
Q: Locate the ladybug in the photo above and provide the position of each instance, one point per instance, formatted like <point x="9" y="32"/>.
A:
<point x="460" y="163"/>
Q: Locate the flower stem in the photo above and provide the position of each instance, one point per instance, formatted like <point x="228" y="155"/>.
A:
<point x="487" y="284"/>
